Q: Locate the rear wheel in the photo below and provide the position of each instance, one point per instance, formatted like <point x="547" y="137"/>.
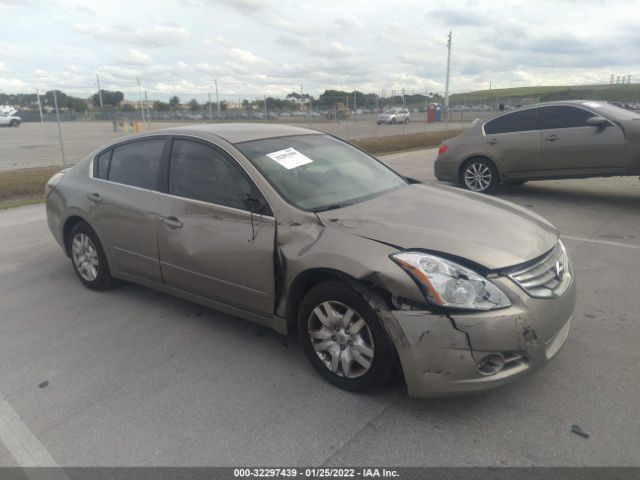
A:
<point x="480" y="175"/>
<point x="88" y="258"/>
<point x="393" y="121"/>
<point x="13" y="123"/>
<point x="344" y="339"/>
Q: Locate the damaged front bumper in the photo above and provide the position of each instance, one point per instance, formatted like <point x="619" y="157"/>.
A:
<point x="443" y="354"/>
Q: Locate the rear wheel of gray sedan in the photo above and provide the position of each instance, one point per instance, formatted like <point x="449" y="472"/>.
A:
<point x="480" y="175"/>
<point x="88" y="257"/>
<point x="344" y="339"/>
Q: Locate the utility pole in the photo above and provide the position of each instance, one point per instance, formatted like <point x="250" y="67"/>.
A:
<point x="265" y="108"/>
<point x="301" y="109"/>
<point x="446" y="88"/>
<point x="100" y="93"/>
<point x="39" y="105"/>
<point x="215" y="81"/>
<point x="140" y="94"/>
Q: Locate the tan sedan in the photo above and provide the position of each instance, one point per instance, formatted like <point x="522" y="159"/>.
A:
<point x="574" y="139"/>
<point x="301" y="232"/>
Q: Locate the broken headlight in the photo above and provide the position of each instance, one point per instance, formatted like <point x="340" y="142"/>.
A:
<point x="447" y="284"/>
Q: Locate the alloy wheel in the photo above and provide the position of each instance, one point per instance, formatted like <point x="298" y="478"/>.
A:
<point x="85" y="257"/>
<point x="477" y="177"/>
<point x="341" y="339"/>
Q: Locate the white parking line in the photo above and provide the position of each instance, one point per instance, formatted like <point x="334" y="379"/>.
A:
<point x="23" y="445"/>
<point x="602" y="242"/>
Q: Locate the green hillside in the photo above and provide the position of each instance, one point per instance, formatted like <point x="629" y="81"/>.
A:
<point x="622" y="93"/>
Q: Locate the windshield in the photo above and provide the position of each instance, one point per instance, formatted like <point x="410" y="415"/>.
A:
<point x="319" y="172"/>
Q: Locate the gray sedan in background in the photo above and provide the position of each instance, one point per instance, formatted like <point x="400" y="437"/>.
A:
<point x="301" y="232"/>
<point x="572" y="139"/>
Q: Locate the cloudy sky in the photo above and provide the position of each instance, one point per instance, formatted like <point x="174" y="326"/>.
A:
<point x="270" y="47"/>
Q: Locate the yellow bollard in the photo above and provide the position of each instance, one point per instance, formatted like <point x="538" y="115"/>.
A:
<point x="137" y="127"/>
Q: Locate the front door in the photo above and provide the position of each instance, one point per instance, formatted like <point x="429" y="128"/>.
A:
<point x="571" y="146"/>
<point x="209" y="243"/>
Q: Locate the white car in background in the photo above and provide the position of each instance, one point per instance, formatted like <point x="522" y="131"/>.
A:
<point x="8" y="117"/>
<point x="393" y="116"/>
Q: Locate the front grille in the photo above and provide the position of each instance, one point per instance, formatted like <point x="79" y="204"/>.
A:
<point x="548" y="277"/>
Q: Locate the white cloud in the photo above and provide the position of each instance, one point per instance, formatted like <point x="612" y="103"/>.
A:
<point x="136" y="57"/>
<point x="155" y="36"/>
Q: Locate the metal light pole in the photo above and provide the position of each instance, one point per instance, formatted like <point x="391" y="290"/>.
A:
<point x="99" y="93"/>
<point x="215" y="81"/>
<point x="39" y="105"/>
<point x="446" y="88"/>
<point x="146" y="103"/>
<point x="55" y="104"/>
<point x="140" y="94"/>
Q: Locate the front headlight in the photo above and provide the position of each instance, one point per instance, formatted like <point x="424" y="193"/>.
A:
<point x="447" y="284"/>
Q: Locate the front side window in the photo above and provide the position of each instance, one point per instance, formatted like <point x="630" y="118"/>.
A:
<point x="522" y="121"/>
<point x="564" y="117"/>
<point x="201" y="172"/>
<point x="137" y="163"/>
<point x="319" y="172"/>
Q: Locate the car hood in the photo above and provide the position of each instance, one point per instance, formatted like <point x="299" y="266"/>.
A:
<point x="485" y="230"/>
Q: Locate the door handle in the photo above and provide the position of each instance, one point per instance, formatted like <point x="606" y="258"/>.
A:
<point x="552" y="138"/>
<point x="171" y="222"/>
<point x="493" y="141"/>
<point x="94" y="197"/>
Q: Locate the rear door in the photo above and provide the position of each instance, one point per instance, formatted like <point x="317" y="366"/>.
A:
<point x="513" y="142"/>
<point x="210" y="244"/>
<point x="571" y="146"/>
<point x="124" y="197"/>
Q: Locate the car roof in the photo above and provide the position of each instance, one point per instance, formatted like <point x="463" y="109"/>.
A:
<point x="238" y="132"/>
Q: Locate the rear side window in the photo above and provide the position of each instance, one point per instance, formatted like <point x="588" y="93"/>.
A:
<point x="204" y="173"/>
<point x="521" y="121"/>
<point x="101" y="165"/>
<point x="137" y="163"/>
<point x="564" y="117"/>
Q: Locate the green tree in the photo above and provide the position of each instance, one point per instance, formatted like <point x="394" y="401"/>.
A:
<point x="109" y="97"/>
<point x="194" y="105"/>
<point x="161" y="106"/>
<point x="174" y="102"/>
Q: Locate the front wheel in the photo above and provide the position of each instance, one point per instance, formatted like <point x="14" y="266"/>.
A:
<point x="13" y="123"/>
<point x="480" y="175"/>
<point x="344" y="339"/>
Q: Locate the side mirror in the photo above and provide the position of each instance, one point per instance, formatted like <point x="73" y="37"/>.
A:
<point x="253" y="203"/>
<point x="597" y="122"/>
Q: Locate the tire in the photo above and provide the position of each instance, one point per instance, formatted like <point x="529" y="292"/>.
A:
<point x="392" y="122"/>
<point x="13" y="123"/>
<point x="370" y="357"/>
<point x="406" y="120"/>
<point x="479" y="175"/>
<point x="88" y="258"/>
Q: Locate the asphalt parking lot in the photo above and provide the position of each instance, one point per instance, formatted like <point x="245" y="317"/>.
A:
<point x="133" y="377"/>
<point x="38" y="145"/>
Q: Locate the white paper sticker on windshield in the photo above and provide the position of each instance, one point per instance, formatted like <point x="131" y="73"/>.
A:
<point x="592" y="104"/>
<point x="289" y="158"/>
